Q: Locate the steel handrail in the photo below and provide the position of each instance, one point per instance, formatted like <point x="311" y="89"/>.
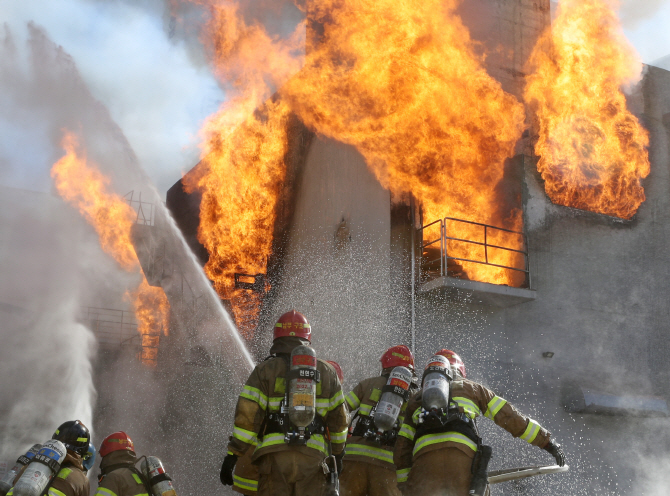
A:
<point x="444" y="239"/>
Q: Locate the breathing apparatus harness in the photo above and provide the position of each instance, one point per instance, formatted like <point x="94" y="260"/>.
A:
<point x="452" y="419"/>
<point x="279" y="421"/>
<point x="365" y="425"/>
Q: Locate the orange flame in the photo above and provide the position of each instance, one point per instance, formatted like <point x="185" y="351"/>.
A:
<point x="152" y="312"/>
<point x="593" y="151"/>
<point x="88" y="190"/>
<point x="85" y="187"/>
<point x="401" y="82"/>
<point x="242" y="169"/>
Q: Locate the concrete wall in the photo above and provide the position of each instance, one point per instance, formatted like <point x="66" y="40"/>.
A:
<point x="337" y="263"/>
<point x="602" y="292"/>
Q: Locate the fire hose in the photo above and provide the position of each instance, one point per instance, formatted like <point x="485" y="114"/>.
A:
<point x="498" y="476"/>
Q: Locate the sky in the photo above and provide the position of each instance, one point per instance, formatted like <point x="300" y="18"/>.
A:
<point x="157" y="87"/>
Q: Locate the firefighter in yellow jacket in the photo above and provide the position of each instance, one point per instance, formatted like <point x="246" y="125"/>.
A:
<point x="368" y="463"/>
<point x="288" y="465"/>
<point x="71" y="479"/>
<point x="440" y="461"/>
<point x="118" y="474"/>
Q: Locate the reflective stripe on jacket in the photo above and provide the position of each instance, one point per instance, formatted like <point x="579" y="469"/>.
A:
<point x="472" y="399"/>
<point x="263" y="393"/>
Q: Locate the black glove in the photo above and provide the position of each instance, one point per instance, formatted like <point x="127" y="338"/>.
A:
<point x="338" y="462"/>
<point x="555" y="451"/>
<point x="227" y="468"/>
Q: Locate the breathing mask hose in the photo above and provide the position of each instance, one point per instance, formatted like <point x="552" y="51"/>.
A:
<point x="480" y="464"/>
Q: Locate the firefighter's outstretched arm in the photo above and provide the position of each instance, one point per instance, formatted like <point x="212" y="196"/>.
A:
<point x="517" y="424"/>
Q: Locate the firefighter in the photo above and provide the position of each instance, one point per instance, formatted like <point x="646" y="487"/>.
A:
<point x="245" y="477"/>
<point x="368" y="464"/>
<point x="287" y="465"/>
<point x="71" y="479"/>
<point x="118" y="474"/>
<point x="440" y="461"/>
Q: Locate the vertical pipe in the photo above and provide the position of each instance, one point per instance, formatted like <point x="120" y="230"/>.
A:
<point x="486" y="245"/>
<point x="413" y="273"/>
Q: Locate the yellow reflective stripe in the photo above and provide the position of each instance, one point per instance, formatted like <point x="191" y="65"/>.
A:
<point x="531" y="431"/>
<point x="137" y="478"/>
<point x="271" y="440"/>
<point x="318" y="443"/>
<point x="64" y="472"/>
<point x="245" y="436"/>
<point x="53" y="492"/>
<point x="494" y="407"/>
<point x="339" y="437"/>
<point x="469" y="406"/>
<point x="11" y="492"/>
<point x="336" y="400"/>
<point x="402" y="474"/>
<point x="365" y="409"/>
<point x="407" y="431"/>
<point x="275" y="403"/>
<point x="280" y="385"/>
<point x="370" y="451"/>
<point x="375" y="394"/>
<point x="352" y="400"/>
<point x="453" y="437"/>
<point x="82" y="440"/>
<point x="415" y="416"/>
<point x="102" y="491"/>
<point x="248" y="484"/>
<point x="255" y="394"/>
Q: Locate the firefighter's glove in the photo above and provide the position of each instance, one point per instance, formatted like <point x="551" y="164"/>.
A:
<point x="556" y="451"/>
<point x="227" y="468"/>
<point x="338" y="462"/>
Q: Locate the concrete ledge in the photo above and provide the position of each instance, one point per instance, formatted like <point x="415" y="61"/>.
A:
<point x="478" y="292"/>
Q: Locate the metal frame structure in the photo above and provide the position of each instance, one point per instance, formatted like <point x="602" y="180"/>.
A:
<point x="444" y="239"/>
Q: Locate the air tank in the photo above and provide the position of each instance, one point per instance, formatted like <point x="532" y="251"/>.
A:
<point x="436" y="379"/>
<point x="302" y="386"/>
<point x="43" y="467"/>
<point x="159" y="480"/>
<point x="394" y="394"/>
<point x="8" y="480"/>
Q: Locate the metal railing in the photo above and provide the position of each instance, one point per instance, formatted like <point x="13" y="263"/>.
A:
<point x="435" y="254"/>
<point x="112" y="327"/>
<point x="146" y="211"/>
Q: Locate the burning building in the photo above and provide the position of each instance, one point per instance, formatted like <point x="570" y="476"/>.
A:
<point x="414" y="198"/>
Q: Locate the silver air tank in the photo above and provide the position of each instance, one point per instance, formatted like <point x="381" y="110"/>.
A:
<point x="436" y="379"/>
<point x="8" y="480"/>
<point x="159" y="480"/>
<point x="43" y="467"/>
<point x="302" y="387"/>
<point x="393" y="395"/>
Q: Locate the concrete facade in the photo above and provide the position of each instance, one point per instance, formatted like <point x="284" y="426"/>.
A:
<point x="601" y="307"/>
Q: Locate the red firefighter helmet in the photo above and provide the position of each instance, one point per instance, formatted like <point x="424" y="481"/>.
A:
<point x="293" y="324"/>
<point x="454" y="360"/>
<point x="397" y="356"/>
<point x="116" y="442"/>
<point x="338" y="370"/>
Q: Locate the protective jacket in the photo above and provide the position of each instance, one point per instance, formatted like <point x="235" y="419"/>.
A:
<point x="263" y="394"/>
<point x="119" y="476"/>
<point x="70" y="480"/>
<point x="473" y="400"/>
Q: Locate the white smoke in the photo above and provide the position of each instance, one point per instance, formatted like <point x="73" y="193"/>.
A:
<point x="634" y="11"/>
<point x="51" y="264"/>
